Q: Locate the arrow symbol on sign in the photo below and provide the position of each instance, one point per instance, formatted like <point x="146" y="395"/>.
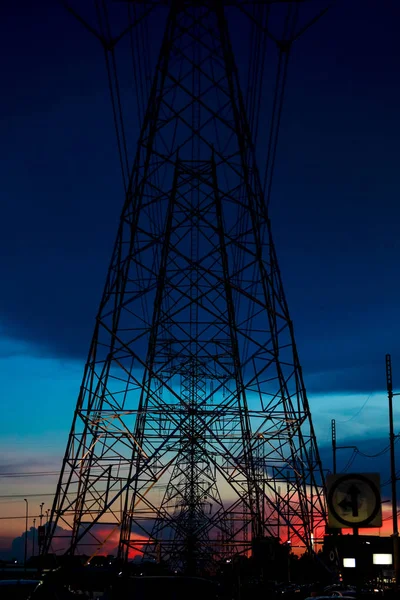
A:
<point x="351" y="500"/>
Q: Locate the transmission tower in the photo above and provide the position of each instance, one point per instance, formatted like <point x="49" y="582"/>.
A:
<point x="192" y="414"/>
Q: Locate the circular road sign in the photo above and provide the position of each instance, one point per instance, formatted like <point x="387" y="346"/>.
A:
<point x="354" y="500"/>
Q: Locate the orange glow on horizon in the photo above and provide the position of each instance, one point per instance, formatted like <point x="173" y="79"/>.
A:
<point x="385" y="530"/>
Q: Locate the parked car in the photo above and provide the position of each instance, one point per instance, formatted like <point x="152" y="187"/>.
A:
<point x="330" y="596"/>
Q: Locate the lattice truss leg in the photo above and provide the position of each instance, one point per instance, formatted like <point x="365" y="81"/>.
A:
<point x="192" y="435"/>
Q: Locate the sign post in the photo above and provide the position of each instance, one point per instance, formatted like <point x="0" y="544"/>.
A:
<point x="354" y="501"/>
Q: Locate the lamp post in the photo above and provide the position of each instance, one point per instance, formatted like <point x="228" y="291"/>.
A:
<point x="33" y="537"/>
<point x="26" y="532"/>
<point x="41" y="517"/>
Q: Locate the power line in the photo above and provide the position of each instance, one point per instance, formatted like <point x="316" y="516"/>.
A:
<point x="17" y="474"/>
<point x="24" y="495"/>
<point x="378" y="453"/>
<point x="23" y="517"/>
<point x="359" y="410"/>
<point x="350" y="461"/>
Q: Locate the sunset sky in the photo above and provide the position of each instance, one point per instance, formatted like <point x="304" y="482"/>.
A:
<point x="335" y="216"/>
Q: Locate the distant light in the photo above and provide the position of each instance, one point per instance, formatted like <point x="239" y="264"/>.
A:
<point x="382" y="559"/>
<point x="15" y="562"/>
<point x="349" y="563"/>
<point x="109" y="563"/>
<point x="369" y="543"/>
<point x="228" y="560"/>
<point x="89" y="562"/>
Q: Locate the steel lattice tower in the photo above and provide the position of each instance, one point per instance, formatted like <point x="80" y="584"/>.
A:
<point x="192" y="416"/>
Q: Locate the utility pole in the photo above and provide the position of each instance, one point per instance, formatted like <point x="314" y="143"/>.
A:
<point x="334" y="445"/>
<point x="26" y="533"/>
<point x="40" y="536"/>
<point x="33" y="538"/>
<point x="392" y="437"/>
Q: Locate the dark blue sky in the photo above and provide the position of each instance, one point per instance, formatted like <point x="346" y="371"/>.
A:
<point x="335" y="207"/>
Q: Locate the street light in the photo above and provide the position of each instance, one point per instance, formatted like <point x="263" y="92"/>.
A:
<point x="40" y="538"/>
<point x="26" y="532"/>
<point x="33" y="537"/>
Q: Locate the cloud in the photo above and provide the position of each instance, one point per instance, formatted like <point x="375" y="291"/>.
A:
<point x="30" y="463"/>
<point x="38" y="392"/>
<point x="363" y="378"/>
<point x="109" y="533"/>
<point x="357" y="415"/>
<point x="17" y="549"/>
